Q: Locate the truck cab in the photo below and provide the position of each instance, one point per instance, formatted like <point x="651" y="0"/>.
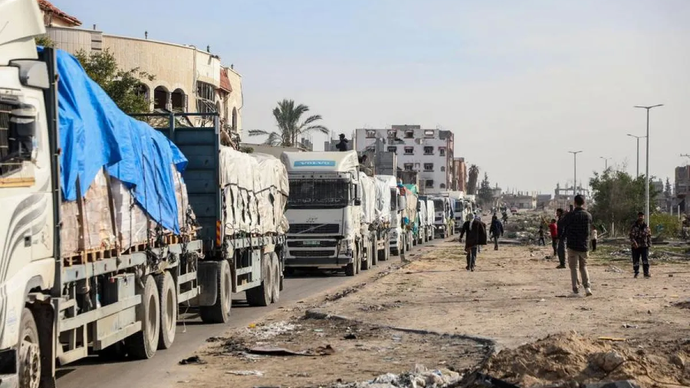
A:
<point x="323" y="211"/>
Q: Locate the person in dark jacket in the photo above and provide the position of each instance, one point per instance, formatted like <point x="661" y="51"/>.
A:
<point x="541" y="241"/>
<point x="475" y="230"/>
<point x="641" y="240"/>
<point x="561" y="238"/>
<point x="342" y="145"/>
<point x="578" y="226"/>
<point x="495" y="231"/>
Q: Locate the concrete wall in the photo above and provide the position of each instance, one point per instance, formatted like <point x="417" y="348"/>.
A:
<point x="75" y="39"/>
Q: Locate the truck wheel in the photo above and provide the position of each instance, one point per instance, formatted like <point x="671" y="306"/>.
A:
<point x="220" y="312"/>
<point x="277" y="275"/>
<point x="374" y="254"/>
<point x="143" y="344"/>
<point x="168" y="298"/>
<point x="29" y="357"/>
<point x="351" y="268"/>
<point x="261" y="295"/>
<point x="366" y="254"/>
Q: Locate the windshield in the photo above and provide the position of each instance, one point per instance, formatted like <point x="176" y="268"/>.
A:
<point x="438" y="205"/>
<point x="459" y="206"/>
<point x="318" y="194"/>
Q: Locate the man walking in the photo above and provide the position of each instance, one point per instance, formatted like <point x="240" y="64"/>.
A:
<point x="561" y="238"/>
<point x="496" y="231"/>
<point x="553" y="230"/>
<point x="641" y="240"/>
<point x="577" y="225"/>
<point x="475" y="230"/>
<point x="541" y="236"/>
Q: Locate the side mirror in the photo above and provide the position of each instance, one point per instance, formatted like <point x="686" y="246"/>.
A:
<point x="22" y="131"/>
<point x="32" y="73"/>
<point x="358" y="202"/>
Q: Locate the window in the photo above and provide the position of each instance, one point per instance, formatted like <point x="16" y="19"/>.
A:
<point x="428" y="150"/>
<point x="416" y="165"/>
<point x="371" y="134"/>
<point x="429" y="133"/>
<point x="428" y="167"/>
<point x="409" y="134"/>
<point x="442" y="151"/>
<point x="430" y="185"/>
<point x="443" y="186"/>
<point x="409" y="150"/>
<point x="318" y="194"/>
<point x="393" y="149"/>
<point x="392" y="134"/>
<point x="443" y="168"/>
<point x="408" y="166"/>
<point x="15" y="145"/>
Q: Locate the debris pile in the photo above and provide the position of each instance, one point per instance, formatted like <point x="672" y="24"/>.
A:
<point x="567" y="359"/>
<point x="264" y="332"/>
<point x="420" y="377"/>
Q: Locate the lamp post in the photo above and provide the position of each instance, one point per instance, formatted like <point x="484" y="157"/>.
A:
<point x="606" y="162"/>
<point x="646" y="174"/>
<point x="638" y="151"/>
<point x="574" y="171"/>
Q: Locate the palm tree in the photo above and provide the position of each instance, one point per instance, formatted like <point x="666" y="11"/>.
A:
<point x="289" y="126"/>
<point x="472" y="181"/>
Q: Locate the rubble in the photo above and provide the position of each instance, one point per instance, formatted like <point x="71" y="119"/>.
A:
<point x="271" y="330"/>
<point x="419" y="377"/>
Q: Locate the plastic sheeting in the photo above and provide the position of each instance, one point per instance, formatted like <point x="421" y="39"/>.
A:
<point x="94" y="133"/>
<point x="430" y="211"/>
<point x="369" y="200"/>
<point x="423" y="217"/>
<point x="383" y="201"/>
<point x="256" y="188"/>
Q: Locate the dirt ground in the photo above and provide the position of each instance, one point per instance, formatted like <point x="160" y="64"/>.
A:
<point x="629" y="328"/>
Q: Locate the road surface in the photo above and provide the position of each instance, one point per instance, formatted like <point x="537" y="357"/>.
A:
<point x="163" y="371"/>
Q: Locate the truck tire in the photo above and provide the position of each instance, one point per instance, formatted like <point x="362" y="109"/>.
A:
<point x="29" y="355"/>
<point x="143" y="344"/>
<point x="351" y="268"/>
<point x="262" y="295"/>
<point x="277" y="274"/>
<point x="374" y="253"/>
<point x="220" y="312"/>
<point x="168" y="297"/>
<point x="366" y="259"/>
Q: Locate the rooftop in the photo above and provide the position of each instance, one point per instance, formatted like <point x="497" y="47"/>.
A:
<point x="47" y="7"/>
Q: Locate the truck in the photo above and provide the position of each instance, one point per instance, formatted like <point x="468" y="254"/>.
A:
<point x="413" y="213"/>
<point x="324" y="211"/>
<point x="428" y="204"/>
<point x="442" y="219"/>
<point x="375" y="220"/>
<point x="396" y="235"/>
<point x="110" y="225"/>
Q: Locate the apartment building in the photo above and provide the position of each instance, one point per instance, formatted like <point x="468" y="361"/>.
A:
<point x="430" y="152"/>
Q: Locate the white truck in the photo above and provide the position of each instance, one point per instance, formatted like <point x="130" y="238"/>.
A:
<point x="428" y="213"/>
<point x="396" y="233"/>
<point x="108" y="227"/>
<point x="325" y="212"/>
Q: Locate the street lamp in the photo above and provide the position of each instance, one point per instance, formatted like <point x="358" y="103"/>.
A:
<point x="646" y="174"/>
<point x="606" y="162"/>
<point x="574" y="171"/>
<point x="638" y="151"/>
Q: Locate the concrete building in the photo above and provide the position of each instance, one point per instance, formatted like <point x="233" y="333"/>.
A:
<point x="522" y="201"/>
<point x="426" y="151"/>
<point x="543" y="201"/>
<point x="186" y="79"/>
<point x="460" y="169"/>
<point x="682" y="188"/>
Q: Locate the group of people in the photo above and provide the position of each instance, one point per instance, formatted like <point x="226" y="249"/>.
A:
<point x="572" y="237"/>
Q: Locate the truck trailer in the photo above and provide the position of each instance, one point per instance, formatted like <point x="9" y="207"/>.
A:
<point x="111" y="224"/>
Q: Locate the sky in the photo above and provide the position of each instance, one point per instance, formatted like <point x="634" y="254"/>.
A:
<point x="520" y="83"/>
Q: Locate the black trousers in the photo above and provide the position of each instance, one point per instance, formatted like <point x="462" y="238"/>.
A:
<point x="640" y="253"/>
<point x="594" y="245"/>
<point x="541" y="241"/>
<point x="554" y="245"/>
<point x="561" y="252"/>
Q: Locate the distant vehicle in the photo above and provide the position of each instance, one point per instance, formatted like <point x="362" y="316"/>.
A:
<point x="513" y="210"/>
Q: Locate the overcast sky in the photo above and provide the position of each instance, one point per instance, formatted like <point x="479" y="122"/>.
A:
<point x="519" y="82"/>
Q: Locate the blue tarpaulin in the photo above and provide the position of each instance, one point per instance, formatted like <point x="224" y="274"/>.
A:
<point x="95" y="133"/>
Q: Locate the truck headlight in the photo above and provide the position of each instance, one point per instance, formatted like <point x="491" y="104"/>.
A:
<point x="345" y="246"/>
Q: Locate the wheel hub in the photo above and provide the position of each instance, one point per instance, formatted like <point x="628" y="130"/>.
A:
<point x="29" y="356"/>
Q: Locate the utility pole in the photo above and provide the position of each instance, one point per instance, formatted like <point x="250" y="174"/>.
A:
<point x="646" y="174"/>
<point x="574" y="171"/>
<point x="606" y="162"/>
<point x="638" y="151"/>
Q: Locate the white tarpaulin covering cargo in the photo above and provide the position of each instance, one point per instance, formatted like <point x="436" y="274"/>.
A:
<point x="430" y="211"/>
<point x="423" y="218"/>
<point x="368" y="198"/>
<point x="383" y="201"/>
<point x="256" y="189"/>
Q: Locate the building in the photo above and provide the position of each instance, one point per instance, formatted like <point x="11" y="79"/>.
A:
<point x="543" y="201"/>
<point x="460" y="181"/>
<point x="185" y="78"/>
<point x="682" y="188"/>
<point x="426" y="151"/>
<point x="522" y="201"/>
<point x="54" y="17"/>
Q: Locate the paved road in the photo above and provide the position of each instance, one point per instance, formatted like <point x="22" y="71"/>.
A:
<point x="162" y="371"/>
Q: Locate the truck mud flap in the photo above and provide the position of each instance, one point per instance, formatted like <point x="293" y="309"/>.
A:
<point x="208" y="282"/>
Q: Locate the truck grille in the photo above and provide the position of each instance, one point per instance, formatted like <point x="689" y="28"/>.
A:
<point x="314" y="229"/>
<point x="303" y="244"/>
<point x="313" y="253"/>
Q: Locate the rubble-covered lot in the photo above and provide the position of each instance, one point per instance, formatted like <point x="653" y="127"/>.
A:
<point x="317" y="352"/>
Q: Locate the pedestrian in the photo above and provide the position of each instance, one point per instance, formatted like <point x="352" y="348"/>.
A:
<point x="561" y="238"/>
<point x="553" y="230"/>
<point x="541" y="236"/>
<point x="641" y="240"/>
<point x="475" y="230"/>
<point x="342" y="145"/>
<point x="595" y="234"/>
<point x="578" y="226"/>
<point x="495" y="231"/>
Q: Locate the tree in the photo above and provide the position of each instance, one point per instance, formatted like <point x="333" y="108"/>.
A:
<point x="486" y="194"/>
<point x="123" y="86"/>
<point x="473" y="176"/>
<point x="668" y="190"/>
<point x="45" y="41"/>
<point x="617" y="197"/>
<point x="290" y="128"/>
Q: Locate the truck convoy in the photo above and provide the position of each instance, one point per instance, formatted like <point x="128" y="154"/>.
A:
<point x="110" y="224"/>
